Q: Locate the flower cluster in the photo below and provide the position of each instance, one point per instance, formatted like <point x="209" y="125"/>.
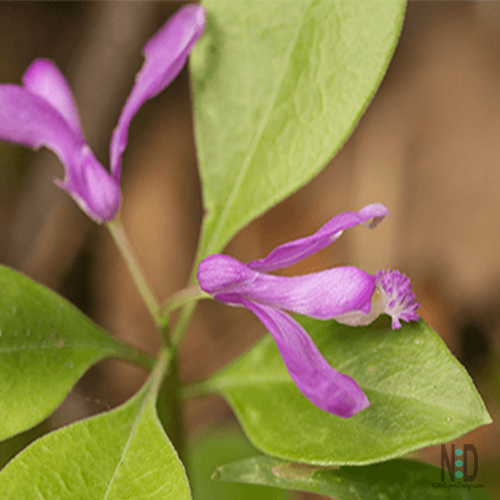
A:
<point x="42" y="112"/>
<point x="343" y="293"/>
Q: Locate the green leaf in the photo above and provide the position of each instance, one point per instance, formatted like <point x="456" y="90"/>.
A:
<point x="278" y="88"/>
<point x="394" y="480"/>
<point x="46" y="345"/>
<point x="419" y="393"/>
<point x="216" y="448"/>
<point x="9" y="448"/>
<point x="119" y="455"/>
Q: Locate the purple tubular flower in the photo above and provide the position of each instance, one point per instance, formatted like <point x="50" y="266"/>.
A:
<point x="42" y="112"/>
<point x="342" y="293"/>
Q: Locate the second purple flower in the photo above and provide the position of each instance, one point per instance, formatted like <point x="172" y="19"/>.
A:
<point x="42" y="112"/>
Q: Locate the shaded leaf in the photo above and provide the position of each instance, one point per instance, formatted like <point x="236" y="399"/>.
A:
<point x="394" y="480"/>
<point x="216" y="448"/>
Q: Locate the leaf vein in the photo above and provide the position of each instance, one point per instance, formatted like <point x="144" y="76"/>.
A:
<point x="133" y="429"/>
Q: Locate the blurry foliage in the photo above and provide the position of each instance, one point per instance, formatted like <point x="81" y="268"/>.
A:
<point x="218" y="447"/>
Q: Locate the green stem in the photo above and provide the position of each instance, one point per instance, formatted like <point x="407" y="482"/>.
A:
<point x="165" y="385"/>
<point x="183" y="322"/>
<point x="189" y="294"/>
<point x="137" y="356"/>
<point x="188" y="309"/>
<point x="165" y="381"/>
<point x="162" y="365"/>
<point x="197" y="390"/>
<point x="119" y="236"/>
<point x="169" y="406"/>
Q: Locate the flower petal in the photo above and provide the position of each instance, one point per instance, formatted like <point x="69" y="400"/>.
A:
<point x="221" y="274"/>
<point x="294" y="251"/>
<point x="325" y="387"/>
<point x="165" y="55"/>
<point x="394" y="297"/>
<point x="91" y="186"/>
<point x="397" y="298"/>
<point x="44" y="79"/>
<point x="28" y="119"/>
<point x="323" y="295"/>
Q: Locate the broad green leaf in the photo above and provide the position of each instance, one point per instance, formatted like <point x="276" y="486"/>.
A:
<point x="419" y="393"/>
<point x="394" y="480"/>
<point x="217" y="448"/>
<point x="119" y="455"/>
<point x="278" y="87"/>
<point x="46" y="345"/>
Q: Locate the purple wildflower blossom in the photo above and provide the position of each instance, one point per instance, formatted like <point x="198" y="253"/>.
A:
<point x="42" y="112"/>
<point x="342" y="293"/>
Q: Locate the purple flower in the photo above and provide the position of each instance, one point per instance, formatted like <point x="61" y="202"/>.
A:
<point x="42" y="112"/>
<point x="346" y="294"/>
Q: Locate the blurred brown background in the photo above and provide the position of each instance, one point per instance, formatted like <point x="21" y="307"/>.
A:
<point x="428" y="147"/>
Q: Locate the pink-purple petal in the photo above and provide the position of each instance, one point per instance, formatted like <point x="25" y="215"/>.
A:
<point x="28" y="119"/>
<point x="297" y="250"/>
<point x="165" y="55"/>
<point x="322" y="385"/>
<point x="91" y="186"/>
<point x="44" y="79"/>
<point x="222" y="274"/>
<point x="323" y="295"/>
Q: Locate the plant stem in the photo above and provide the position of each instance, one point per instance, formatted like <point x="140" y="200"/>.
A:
<point x="165" y="376"/>
<point x="169" y="406"/>
<point x="162" y="364"/>
<point x="197" y="390"/>
<point x="137" y="356"/>
<point x="119" y="236"/>
<point x="183" y="322"/>
<point x="189" y="294"/>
